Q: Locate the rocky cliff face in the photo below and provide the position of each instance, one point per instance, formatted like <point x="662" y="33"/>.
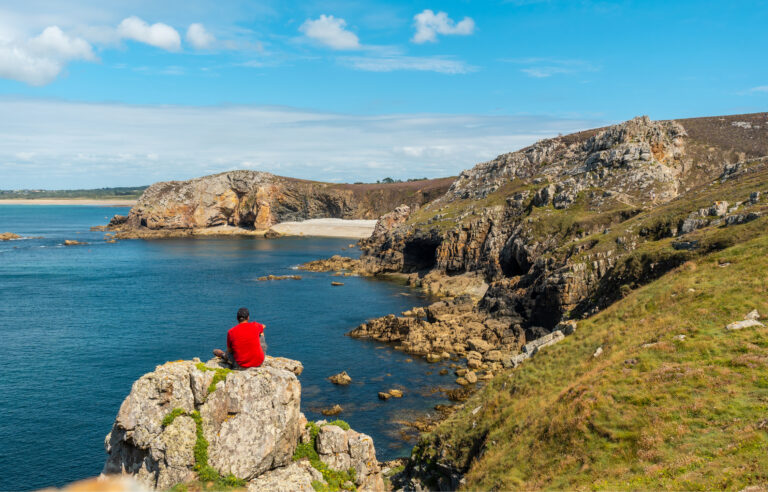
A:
<point x="558" y="229"/>
<point x="188" y="421"/>
<point x="258" y="200"/>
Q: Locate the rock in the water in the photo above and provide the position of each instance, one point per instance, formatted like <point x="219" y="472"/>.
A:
<point x="396" y="393"/>
<point x="384" y="395"/>
<point x="334" y="410"/>
<point x="341" y="378"/>
<point x="337" y="284"/>
<point x="7" y="236"/>
<point x="471" y="377"/>
<point x="72" y="242"/>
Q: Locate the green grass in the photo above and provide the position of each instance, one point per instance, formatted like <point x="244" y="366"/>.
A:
<point x="220" y="374"/>
<point x="687" y="414"/>
<point x="208" y="477"/>
<point x="335" y="479"/>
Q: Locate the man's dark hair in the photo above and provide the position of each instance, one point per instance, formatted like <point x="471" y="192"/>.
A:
<point x="243" y="314"/>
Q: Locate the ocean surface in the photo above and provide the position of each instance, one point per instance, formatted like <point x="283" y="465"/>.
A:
<point x="79" y="324"/>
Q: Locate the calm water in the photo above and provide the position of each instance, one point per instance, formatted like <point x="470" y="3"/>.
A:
<point x="80" y="324"/>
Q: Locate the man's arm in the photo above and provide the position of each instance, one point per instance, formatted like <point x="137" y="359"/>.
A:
<point x="263" y="342"/>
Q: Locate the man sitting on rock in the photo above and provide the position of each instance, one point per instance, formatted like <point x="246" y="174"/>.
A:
<point x="245" y="343"/>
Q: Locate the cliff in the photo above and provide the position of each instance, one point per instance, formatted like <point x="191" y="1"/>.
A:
<point x="567" y="226"/>
<point x="255" y="201"/>
<point x="189" y="422"/>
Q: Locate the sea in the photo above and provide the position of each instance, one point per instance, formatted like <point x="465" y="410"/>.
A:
<point x="79" y="324"/>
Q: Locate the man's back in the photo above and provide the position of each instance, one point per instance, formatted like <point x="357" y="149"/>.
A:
<point x="243" y="340"/>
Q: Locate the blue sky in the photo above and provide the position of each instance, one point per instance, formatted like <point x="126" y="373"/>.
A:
<point x="127" y="92"/>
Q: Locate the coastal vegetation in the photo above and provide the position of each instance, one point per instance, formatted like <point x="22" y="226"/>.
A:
<point x="123" y="192"/>
<point x="674" y="401"/>
<point x="335" y="480"/>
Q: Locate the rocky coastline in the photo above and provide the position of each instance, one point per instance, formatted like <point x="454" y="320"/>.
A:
<point x="252" y="202"/>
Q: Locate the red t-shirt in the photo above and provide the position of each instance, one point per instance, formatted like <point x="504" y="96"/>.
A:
<point x="243" y="341"/>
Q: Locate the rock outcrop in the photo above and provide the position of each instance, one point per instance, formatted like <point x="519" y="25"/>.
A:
<point x="8" y="236"/>
<point x="558" y="230"/>
<point x="242" y="201"/>
<point x="188" y="421"/>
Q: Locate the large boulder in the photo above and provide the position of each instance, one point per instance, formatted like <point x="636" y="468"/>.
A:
<point x="251" y="420"/>
<point x="247" y="423"/>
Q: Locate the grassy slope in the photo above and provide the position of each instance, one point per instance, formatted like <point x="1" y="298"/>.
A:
<point x="680" y="414"/>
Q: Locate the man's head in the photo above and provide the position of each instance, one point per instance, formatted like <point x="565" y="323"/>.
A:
<point x="243" y="315"/>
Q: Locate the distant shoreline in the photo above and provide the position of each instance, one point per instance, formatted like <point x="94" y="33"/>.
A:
<point x="69" y="201"/>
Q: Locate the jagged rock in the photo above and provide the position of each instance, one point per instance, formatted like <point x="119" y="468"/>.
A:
<point x="752" y="315"/>
<point x="471" y="377"/>
<point x="251" y="421"/>
<point x="72" y="242"/>
<point x="396" y="393"/>
<point x="384" y="395"/>
<point x="479" y="345"/>
<point x="598" y="352"/>
<point x="296" y="477"/>
<point x="341" y="378"/>
<point x="7" y="236"/>
<point x="718" y="209"/>
<point x="568" y="327"/>
<point x="161" y="456"/>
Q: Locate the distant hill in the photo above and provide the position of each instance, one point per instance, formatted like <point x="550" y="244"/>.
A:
<point x="96" y="193"/>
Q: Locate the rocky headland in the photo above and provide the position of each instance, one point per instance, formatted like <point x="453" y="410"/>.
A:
<point x="562" y="229"/>
<point x="201" y="424"/>
<point x="251" y="202"/>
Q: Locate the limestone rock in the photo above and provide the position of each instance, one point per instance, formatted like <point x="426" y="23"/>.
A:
<point x="747" y="323"/>
<point x="296" y="477"/>
<point x="266" y="399"/>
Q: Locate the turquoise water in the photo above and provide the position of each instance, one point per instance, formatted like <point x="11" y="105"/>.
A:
<point x="79" y="324"/>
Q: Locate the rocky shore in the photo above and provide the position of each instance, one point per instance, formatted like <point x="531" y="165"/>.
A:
<point x="558" y="231"/>
<point x="190" y="422"/>
<point x="252" y="202"/>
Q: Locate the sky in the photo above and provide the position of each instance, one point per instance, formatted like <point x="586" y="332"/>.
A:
<point x="98" y="93"/>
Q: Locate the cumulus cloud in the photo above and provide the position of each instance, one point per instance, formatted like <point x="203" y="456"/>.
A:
<point x="39" y="60"/>
<point x="159" y="35"/>
<point x="429" y="24"/>
<point x="55" y="144"/>
<point x="408" y="63"/>
<point x="330" y="31"/>
<point x="199" y="37"/>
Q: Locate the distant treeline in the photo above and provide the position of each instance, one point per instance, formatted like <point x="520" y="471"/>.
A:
<point x="391" y="180"/>
<point x="120" y="192"/>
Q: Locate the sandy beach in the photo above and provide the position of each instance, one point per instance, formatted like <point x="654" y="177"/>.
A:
<point x="357" y="229"/>
<point x="68" y="201"/>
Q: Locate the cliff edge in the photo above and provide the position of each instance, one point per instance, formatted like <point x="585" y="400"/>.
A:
<point x="191" y="422"/>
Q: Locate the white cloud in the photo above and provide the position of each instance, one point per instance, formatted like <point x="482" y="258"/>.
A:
<point x="55" y="144"/>
<point x="199" y="37"/>
<point x="409" y="63"/>
<point x="330" y="31"/>
<point x="39" y="60"/>
<point x="159" y="35"/>
<point x="429" y="25"/>
<point x="546" y="67"/>
<point x="759" y="88"/>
